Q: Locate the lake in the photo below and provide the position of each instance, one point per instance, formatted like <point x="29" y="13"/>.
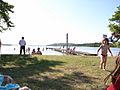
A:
<point x="15" y="50"/>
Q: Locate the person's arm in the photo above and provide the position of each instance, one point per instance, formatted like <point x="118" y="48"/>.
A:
<point x="119" y="54"/>
<point x="110" y="51"/>
<point x="116" y="67"/>
<point x="105" y="80"/>
<point x="98" y="50"/>
<point x="25" y="42"/>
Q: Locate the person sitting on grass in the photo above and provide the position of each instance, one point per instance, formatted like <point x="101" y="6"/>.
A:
<point x="115" y="76"/>
<point x="7" y="83"/>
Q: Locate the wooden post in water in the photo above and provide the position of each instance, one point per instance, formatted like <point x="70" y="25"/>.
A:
<point x="67" y="41"/>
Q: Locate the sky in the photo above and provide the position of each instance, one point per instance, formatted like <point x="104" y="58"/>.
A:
<point x="43" y="22"/>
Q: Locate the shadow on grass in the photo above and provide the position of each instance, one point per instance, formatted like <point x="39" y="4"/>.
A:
<point x="108" y="70"/>
<point x="67" y="82"/>
<point x="26" y="64"/>
<point x="27" y="70"/>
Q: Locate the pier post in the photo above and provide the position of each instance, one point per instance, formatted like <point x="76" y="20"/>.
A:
<point x="66" y="41"/>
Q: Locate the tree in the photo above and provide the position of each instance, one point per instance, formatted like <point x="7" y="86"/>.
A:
<point x="115" y="21"/>
<point x="117" y="44"/>
<point x="115" y="27"/>
<point x="5" y="10"/>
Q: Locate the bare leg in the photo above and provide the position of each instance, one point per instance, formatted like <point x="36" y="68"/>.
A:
<point x="104" y="60"/>
<point x="101" y="62"/>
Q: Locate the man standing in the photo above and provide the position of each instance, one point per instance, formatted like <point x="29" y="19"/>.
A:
<point x="22" y="44"/>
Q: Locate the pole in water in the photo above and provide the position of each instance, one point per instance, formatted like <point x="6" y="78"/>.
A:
<point x="67" y="41"/>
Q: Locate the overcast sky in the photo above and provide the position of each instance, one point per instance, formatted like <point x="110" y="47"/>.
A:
<point x="47" y="21"/>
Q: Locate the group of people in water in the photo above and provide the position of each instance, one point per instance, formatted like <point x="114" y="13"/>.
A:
<point x="22" y="44"/>
<point x="36" y="52"/>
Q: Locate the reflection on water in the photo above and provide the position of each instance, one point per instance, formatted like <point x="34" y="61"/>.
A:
<point x="15" y="50"/>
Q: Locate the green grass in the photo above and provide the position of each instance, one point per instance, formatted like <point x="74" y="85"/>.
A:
<point x="56" y="72"/>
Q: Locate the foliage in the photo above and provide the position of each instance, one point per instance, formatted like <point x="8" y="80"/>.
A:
<point x="115" y="21"/>
<point x="5" y="22"/>
<point x="117" y="44"/>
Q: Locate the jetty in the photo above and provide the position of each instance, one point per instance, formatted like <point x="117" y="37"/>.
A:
<point x="72" y="52"/>
<point x="69" y="51"/>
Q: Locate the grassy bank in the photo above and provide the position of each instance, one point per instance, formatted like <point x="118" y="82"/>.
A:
<point x="56" y="72"/>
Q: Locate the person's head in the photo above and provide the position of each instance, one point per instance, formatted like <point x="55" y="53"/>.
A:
<point x="113" y="33"/>
<point x="105" y="41"/>
<point x="22" y="37"/>
<point x="38" y="49"/>
<point x="8" y="79"/>
<point x="33" y="50"/>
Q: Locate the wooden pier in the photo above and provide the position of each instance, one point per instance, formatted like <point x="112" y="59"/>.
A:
<point x="71" y="52"/>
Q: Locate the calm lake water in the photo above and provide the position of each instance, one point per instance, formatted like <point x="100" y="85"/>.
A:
<point x="15" y="50"/>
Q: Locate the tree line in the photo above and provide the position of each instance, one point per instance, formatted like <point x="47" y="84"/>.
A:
<point x="96" y="44"/>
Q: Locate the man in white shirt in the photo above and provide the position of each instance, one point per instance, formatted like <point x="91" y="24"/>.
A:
<point x="22" y="44"/>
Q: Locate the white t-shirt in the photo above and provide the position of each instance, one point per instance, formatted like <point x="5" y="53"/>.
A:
<point x="22" y="42"/>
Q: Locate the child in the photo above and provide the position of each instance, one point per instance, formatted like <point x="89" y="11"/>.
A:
<point x="104" y="47"/>
<point x="33" y="52"/>
<point x="38" y="51"/>
<point x="115" y="82"/>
